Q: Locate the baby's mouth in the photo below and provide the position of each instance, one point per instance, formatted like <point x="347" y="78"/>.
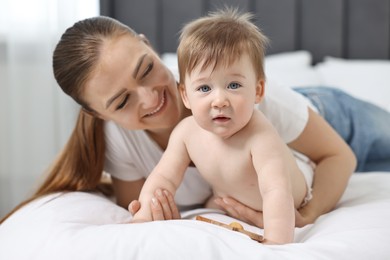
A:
<point x="221" y="118"/>
<point x="158" y="108"/>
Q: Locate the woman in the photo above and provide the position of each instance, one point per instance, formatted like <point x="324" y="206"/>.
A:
<point x="130" y="104"/>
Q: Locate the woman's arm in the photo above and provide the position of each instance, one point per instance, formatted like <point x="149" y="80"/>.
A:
<point x="335" y="164"/>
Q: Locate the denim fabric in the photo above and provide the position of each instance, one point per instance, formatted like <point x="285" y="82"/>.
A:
<point x="364" y="126"/>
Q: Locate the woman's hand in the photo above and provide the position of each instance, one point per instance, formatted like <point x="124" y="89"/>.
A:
<point x="305" y="215"/>
<point x="163" y="206"/>
<point x="237" y="210"/>
<point x="240" y="211"/>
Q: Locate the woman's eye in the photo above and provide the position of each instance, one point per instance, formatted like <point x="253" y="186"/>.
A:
<point x="123" y="103"/>
<point x="234" y="85"/>
<point x="147" y="70"/>
<point x="204" y="88"/>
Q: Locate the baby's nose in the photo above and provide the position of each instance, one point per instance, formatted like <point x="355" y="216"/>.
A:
<point x="220" y="99"/>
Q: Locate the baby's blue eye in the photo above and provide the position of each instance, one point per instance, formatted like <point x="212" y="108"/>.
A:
<point x="234" y="85"/>
<point x="204" y="88"/>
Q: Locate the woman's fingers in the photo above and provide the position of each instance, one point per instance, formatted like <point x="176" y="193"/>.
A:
<point x="163" y="200"/>
<point x="157" y="210"/>
<point x="304" y="216"/>
<point x="172" y="205"/>
<point x="244" y="213"/>
<point x="164" y="206"/>
<point x="240" y="211"/>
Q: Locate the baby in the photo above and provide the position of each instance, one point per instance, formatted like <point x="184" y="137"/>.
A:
<point x="231" y="143"/>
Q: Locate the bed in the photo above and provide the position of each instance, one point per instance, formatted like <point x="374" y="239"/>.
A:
<point x="89" y="226"/>
<point x="313" y="43"/>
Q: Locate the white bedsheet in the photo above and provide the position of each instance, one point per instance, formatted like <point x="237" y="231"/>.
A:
<point x="88" y="226"/>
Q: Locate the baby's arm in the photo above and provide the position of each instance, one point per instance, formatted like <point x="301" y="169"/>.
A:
<point x="278" y="204"/>
<point x="167" y="175"/>
<point x="272" y="162"/>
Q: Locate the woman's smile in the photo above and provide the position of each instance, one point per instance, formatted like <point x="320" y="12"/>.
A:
<point x="159" y="107"/>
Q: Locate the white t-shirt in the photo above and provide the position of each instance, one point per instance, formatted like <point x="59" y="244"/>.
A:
<point x="131" y="155"/>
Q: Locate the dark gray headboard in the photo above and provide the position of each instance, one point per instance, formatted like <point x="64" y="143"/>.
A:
<point x="340" y="28"/>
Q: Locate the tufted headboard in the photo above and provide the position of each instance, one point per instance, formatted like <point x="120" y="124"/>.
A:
<point x="353" y="29"/>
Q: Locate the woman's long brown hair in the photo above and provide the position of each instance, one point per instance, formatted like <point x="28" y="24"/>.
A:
<point x="79" y="166"/>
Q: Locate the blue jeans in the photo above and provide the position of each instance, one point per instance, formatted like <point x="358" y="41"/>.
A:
<point x="364" y="126"/>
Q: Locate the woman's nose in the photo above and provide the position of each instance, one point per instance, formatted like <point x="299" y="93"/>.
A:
<point x="148" y="97"/>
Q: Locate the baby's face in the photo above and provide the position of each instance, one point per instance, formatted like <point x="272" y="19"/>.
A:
<point x="222" y="99"/>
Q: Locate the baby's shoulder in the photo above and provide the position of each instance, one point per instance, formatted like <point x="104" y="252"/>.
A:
<point x="260" y="127"/>
<point x="186" y="122"/>
<point x="185" y="125"/>
<point x="259" y="120"/>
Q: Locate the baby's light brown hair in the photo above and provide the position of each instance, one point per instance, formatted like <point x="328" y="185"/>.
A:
<point x="220" y="38"/>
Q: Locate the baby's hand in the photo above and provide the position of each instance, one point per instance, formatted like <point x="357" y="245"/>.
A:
<point x="162" y="206"/>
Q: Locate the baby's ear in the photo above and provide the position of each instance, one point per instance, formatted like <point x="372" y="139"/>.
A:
<point x="183" y="94"/>
<point x="260" y="90"/>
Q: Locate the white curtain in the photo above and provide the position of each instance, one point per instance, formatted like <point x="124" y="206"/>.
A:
<point x="36" y="118"/>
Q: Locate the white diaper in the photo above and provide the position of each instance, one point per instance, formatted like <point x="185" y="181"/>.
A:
<point x="307" y="168"/>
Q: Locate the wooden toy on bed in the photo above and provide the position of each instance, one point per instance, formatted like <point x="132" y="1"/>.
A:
<point x="234" y="226"/>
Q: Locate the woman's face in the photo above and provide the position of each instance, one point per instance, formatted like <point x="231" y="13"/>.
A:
<point x="131" y="86"/>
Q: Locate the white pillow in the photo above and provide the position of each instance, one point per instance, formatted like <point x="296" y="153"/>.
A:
<point x="291" y="69"/>
<point x="170" y="60"/>
<point x="366" y="79"/>
<point x="300" y="59"/>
